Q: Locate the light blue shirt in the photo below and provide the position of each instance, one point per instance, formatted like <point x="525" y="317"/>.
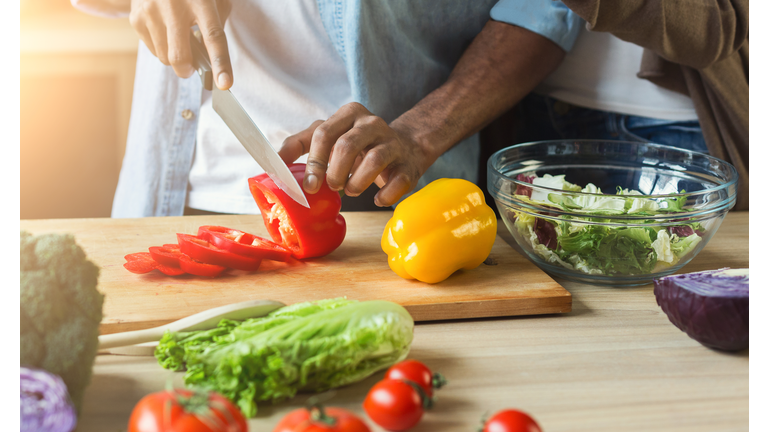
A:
<point x="395" y="53"/>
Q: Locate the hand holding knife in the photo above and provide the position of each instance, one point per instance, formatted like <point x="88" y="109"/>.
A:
<point x="245" y="130"/>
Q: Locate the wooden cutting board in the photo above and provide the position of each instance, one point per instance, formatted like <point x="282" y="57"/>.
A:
<point x="358" y="269"/>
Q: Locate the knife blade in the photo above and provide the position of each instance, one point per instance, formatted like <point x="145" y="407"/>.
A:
<point x="245" y="130"/>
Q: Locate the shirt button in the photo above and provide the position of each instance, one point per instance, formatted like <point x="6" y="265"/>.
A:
<point x="187" y="114"/>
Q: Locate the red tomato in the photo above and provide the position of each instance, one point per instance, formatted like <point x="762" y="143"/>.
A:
<point x="142" y="262"/>
<point x="308" y="232"/>
<point x="416" y="371"/>
<point x="185" y="411"/>
<point x="511" y="421"/>
<point x="203" y="251"/>
<point x="321" y="420"/>
<point x="198" y="268"/>
<point x="394" y="405"/>
<point x="242" y="243"/>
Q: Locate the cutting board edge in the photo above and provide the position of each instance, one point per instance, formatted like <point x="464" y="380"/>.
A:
<point x="492" y="308"/>
<point x="424" y="313"/>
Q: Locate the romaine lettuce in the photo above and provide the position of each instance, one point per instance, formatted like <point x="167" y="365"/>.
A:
<point x="310" y="346"/>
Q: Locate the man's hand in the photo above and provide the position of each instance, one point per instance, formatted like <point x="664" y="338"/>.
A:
<point x="503" y="64"/>
<point x="164" y="26"/>
<point x="362" y="149"/>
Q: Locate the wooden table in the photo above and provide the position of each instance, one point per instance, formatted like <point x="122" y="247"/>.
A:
<point x="615" y="363"/>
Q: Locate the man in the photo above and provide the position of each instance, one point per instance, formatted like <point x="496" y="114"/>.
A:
<point x="418" y="97"/>
<point x="422" y="80"/>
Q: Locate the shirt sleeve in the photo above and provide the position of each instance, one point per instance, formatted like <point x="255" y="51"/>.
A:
<point x="96" y="8"/>
<point x="551" y="19"/>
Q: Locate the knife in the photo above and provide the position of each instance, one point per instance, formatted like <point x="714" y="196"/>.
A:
<point x="246" y="131"/>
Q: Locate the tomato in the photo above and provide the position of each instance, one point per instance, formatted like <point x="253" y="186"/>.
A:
<point x="307" y="232"/>
<point x="142" y="262"/>
<point x="417" y="372"/>
<point x="203" y="251"/>
<point x="165" y="256"/>
<point x="511" y="421"/>
<point x="186" y="411"/>
<point x="242" y="243"/>
<point x="198" y="268"/>
<point x="395" y="405"/>
<point x="318" y="419"/>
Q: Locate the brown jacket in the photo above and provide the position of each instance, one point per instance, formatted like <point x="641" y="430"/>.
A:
<point x="695" y="47"/>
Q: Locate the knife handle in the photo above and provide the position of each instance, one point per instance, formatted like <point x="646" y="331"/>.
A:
<point x="200" y="61"/>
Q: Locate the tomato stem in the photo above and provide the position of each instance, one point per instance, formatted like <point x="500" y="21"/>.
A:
<point x="483" y="421"/>
<point x="426" y="401"/>
<point x="438" y="380"/>
<point x="198" y="404"/>
<point x="317" y="411"/>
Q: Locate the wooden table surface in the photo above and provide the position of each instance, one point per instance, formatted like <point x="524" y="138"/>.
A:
<point x="615" y="363"/>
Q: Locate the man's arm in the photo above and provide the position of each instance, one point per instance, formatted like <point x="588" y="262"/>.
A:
<point x="692" y="33"/>
<point x="501" y="66"/>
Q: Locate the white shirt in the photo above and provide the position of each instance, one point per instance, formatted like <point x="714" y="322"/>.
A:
<point x="600" y="72"/>
<point x="287" y="74"/>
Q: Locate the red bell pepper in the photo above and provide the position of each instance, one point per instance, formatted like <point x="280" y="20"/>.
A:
<point x="165" y="256"/>
<point x="242" y="243"/>
<point x="308" y="232"/>
<point x="142" y="262"/>
<point x="198" y="268"/>
<point x="203" y="251"/>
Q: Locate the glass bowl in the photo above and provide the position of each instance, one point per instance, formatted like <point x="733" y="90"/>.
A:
<point x="624" y="212"/>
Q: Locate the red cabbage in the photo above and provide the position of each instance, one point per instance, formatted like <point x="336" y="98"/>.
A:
<point x="524" y="190"/>
<point x="45" y="403"/>
<point x="545" y="232"/>
<point x="712" y="306"/>
<point x="681" y="230"/>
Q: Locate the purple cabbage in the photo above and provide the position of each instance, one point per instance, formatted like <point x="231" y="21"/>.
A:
<point x="712" y="306"/>
<point x="684" y="231"/>
<point x="524" y="190"/>
<point x="45" y="403"/>
<point x="681" y="230"/>
<point x="545" y="232"/>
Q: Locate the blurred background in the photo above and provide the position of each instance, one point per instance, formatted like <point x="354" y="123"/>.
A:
<point x="76" y="85"/>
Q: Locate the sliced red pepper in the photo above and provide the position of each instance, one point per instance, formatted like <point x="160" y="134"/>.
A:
<point x="308" y="232"/>
<point x="170" y="271"/>
<point x="166" y="256"/>
<point x="203" y="251"/>
<point x="198" y="268"/>
<point x="243" y="243"/>
<point x="142" y="262"/>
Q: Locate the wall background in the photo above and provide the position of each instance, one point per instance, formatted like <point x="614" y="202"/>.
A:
<point x="76" y="86"/>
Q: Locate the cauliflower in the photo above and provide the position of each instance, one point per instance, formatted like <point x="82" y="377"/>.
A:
<point x="60" y="309"/>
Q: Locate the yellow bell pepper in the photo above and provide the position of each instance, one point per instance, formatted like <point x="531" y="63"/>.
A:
<point x="444" y="227"/>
